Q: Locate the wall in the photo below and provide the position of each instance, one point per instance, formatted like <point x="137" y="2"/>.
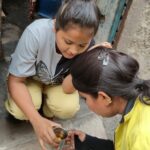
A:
<point x="135" y="38"/>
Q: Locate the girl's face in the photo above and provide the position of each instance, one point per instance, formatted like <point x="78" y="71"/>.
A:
<point x="73" y="41"/>
<point x="99" y="105"/>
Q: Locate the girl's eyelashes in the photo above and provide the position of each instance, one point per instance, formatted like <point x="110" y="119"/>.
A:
<point x="82" y="46"/>
<point x="84" y="99"/>
<point x="68" y="42"/>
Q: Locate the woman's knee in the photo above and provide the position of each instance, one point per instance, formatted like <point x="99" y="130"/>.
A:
<point x="12" y="108"/>
<point x="63" y="112"/>
<point x="62" y="105"/>
<point x="66" y="111"/>
<point x="15" y="111"/>
<point x="36" y="95"/>
<point x="65" y="107"/>
<point x="35" y="90"/>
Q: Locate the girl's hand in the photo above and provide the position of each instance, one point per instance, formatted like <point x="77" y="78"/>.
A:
<point x="67" y="85"/>
<point x="44" y="131"/>
<point x="79" y="133"/>
<point x="69" y="141"/>
<point x="106" y="44"/>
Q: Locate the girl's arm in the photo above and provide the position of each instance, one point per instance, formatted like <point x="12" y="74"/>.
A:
<point x="22" y="98"/>
<point x="82" y="141"/>
<point x="67" y="85"/>
<point x="93" y="143"/>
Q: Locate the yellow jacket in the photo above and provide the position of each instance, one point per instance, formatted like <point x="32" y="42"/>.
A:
<point x="134" y="132"/>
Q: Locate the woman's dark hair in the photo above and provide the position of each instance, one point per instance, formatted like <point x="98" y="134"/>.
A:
<point x="110" y="71"/>
<point x="84" y="13"/>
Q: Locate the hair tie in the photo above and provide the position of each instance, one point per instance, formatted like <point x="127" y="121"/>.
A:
<point x="140" y="85"/>
<point x="104" y="57"/>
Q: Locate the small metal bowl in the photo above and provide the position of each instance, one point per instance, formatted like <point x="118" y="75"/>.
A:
<point x="60" y="133"/>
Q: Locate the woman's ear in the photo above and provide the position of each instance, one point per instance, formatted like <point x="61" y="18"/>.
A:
<point x="105" y="97"/>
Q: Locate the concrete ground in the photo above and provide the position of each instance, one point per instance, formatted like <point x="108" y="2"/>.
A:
<point x="17" y="135"/>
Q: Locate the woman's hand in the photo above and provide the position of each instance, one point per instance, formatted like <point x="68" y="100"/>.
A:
<point x="44" y="131"/>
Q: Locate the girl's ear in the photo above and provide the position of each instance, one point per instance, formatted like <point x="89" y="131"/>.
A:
<point x="105" y="97"/>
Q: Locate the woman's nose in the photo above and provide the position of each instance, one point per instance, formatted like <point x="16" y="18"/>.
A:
<point x="74" y="50"/>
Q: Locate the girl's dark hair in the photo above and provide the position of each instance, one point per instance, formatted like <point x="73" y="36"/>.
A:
<point x="84" y="13"/>
<point x="110" y="71"/>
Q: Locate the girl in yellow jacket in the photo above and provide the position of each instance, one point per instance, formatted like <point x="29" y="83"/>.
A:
<point x="108" y="81"/>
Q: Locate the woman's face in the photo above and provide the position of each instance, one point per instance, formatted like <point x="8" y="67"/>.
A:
<point x="73" y="41"/>
<point x="99" y="105"/>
